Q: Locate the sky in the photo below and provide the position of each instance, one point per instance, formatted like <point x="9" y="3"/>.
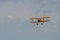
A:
<point x="15" y="23"/>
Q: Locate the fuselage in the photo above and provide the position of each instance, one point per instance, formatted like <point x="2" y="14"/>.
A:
<point x="40" y="20"/>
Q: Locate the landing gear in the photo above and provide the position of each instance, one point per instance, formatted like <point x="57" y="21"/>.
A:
<point x="41" y="23"/>
<point x="37" y="24"/>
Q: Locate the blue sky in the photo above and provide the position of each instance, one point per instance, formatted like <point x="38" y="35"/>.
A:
<point x="14" y="19"/>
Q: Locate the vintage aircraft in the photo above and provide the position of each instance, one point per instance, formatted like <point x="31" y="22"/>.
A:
<point x="40" y="20"/>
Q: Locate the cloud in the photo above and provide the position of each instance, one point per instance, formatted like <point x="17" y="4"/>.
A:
<point x="18" y="11"/>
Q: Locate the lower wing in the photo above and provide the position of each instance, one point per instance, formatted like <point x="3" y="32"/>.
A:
<point x="33" y="22"/>
<point x="45" y="20"/>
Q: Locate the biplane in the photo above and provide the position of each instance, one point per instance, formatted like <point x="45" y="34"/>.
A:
<point x="40" y="20"/>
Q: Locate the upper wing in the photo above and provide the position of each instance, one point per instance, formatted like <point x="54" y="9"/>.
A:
<point x="40" y="18"/>
<point x="46" y="17"/>
<point x="34" y="18"/>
